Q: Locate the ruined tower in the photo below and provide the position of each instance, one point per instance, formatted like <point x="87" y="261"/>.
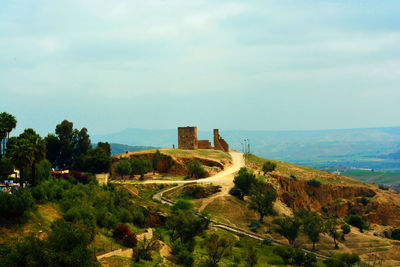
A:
<point x="187" y="138"/>
<point x="219" y="142"/>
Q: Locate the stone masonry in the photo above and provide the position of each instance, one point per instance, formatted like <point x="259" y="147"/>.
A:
<point x="187" y="139"/>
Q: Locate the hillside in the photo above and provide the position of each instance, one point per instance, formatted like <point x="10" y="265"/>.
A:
<point x="373" y="148"/>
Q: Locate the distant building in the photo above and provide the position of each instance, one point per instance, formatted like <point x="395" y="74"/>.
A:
<point x="187" y="139"/>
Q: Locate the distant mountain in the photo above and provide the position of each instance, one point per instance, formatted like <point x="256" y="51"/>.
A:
<point x="358" y="146"/>
<point x="120" y="148"/>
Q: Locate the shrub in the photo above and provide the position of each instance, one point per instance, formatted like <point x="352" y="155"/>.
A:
<point x="396" y="234"/>
<point x="268" y="166"/>
<point x="196" y="169"/>
<point x="235" y="191"/>
<point x="15" y="205"/>
<point x="294" y="256"/>
<point x="356" y="221"/>
<point x="130" y="240"/>
<point x="314" y="182"/>
<point x="121" y="231"/>
<point x="123" y="167"/>
<point x="183" y="254"/>
<point x="383" y="187"/>
<point x="254" y="225"/>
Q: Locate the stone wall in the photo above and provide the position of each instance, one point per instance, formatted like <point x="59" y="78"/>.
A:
<point x="187" y="138"/>
<point x="204" y="144"/>
<point x="219" y="142"/>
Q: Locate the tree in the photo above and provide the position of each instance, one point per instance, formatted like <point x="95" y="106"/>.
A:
<point x="243" y="181"/>
<point x="6" y="167"/>
<point x="268" y="166"/>
<point x="140" y="166"/>
<point x="262" y="198"/>
<point x="65" y="134"/>
<point x="345" y="230"/>
<point x="38" y="146"/>
<point x="155" y="159"/>
<point x="7" y="124"/>
<point x="52" y="149"/>
<point x="83" y="143"/>
<point x="22" y="155"/>
<point x="288" y="227"/>
<point x="331" y="228"/>
<point x="96" y="161"/>
<point x="123" y="167"/>
<point x="183" y="224"/>
<point x="105" y="146"/>
<point x="356" y="221"/>
<point x="195" y="169"/>
<point x="396" y="234"/>
<point x="216" y="248"/>
<point x="313" y="227"/>
<point x="251" y="255"/>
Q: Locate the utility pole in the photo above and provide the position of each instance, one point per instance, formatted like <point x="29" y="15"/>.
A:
<point x="248" y="144"/>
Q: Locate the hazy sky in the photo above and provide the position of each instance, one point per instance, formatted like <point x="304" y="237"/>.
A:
<point x="262" y="64"/>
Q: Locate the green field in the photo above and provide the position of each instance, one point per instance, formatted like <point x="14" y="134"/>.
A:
<point x="377" y="177"/>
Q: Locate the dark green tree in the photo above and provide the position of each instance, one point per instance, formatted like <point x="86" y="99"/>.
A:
<point x="140" y="166"/>
<point x="6" y="167"/>
<point x="331" y="226"/>
<point x="268" y="166"/>
<point x="105" y="146"/>
<point x="251" y="255"/>
<point x="262" y="198"/>
<point x="38" y="146"/>
<point x="65" y="134"/>
<point x="53" y="148"/>
<point x="155" y="159"/>
<point x="356" y="221"/>
<point x="313" y="226"/>
<point x="195" y="169"/>
<point x="123" y="167"/>
<point x="97" y="161"/>
<point x="7" y="124"/>
<point x="345" y="230"/>
<point x="21" y="154"/>
<point x="243" y="181"/>
<point x="216" y="247"/>
<point x="288" y="227"/>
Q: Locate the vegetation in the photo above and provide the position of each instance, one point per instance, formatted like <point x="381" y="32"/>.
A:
<point x="217" y="247"/>
<point x="342" y="259"/>
<point x="268" y="166"/>
<point x="155" y="159"/>
<point x="123" y="167"/>
<point x="312" y="225"/>
<point x="243" y="182"/>
<point x="288" y="227"/>
<point x="295" y="256"/>
<point x="196" y="169"/>
<point x="331" y="228"/>
<point x="314" y="182"/>
<point x="262" y="198"/>
<point x="140" y="166"/>
<point x="356" y="221"/>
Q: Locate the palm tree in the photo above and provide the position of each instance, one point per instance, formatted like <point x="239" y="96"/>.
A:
<point x="38" y="150"/>
<point x="21" y="154"/>
<point x="8" y="122"/>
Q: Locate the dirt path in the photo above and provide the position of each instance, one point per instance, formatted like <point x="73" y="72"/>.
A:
<point x="224" y="178"/>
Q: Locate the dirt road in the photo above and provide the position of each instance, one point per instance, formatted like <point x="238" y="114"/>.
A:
<point x="224" y="178"/>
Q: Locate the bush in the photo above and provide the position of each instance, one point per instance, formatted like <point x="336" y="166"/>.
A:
<point x="356" y="221"/>
<point x="342" y="259"/>
<point x="383" y="187"/>
<point x="235" y="191"/>
<point x="123" y="167"/>
<point x="314" y="182"/>
<point x="268" y="166"/>
<point x="294" y="256"/>
<point x="396" y="234"/>
<point x="196" y="169"/>
<point x="254" y="225"/>
<point x="183" y="254"/>
<point x="15" y="205"/>
<point x="129" y="240"/>
<point x="121" y="231"/>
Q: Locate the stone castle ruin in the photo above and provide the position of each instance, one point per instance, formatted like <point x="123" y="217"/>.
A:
<point x="187" y="139"/>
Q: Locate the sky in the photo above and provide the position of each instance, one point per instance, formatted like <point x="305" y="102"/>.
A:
<point x="255" y="65"/>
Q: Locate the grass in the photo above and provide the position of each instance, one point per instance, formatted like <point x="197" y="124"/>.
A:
<point x="204" y="153"/>
<point x="378" y="177"/>
<point x="302" y="173"/>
